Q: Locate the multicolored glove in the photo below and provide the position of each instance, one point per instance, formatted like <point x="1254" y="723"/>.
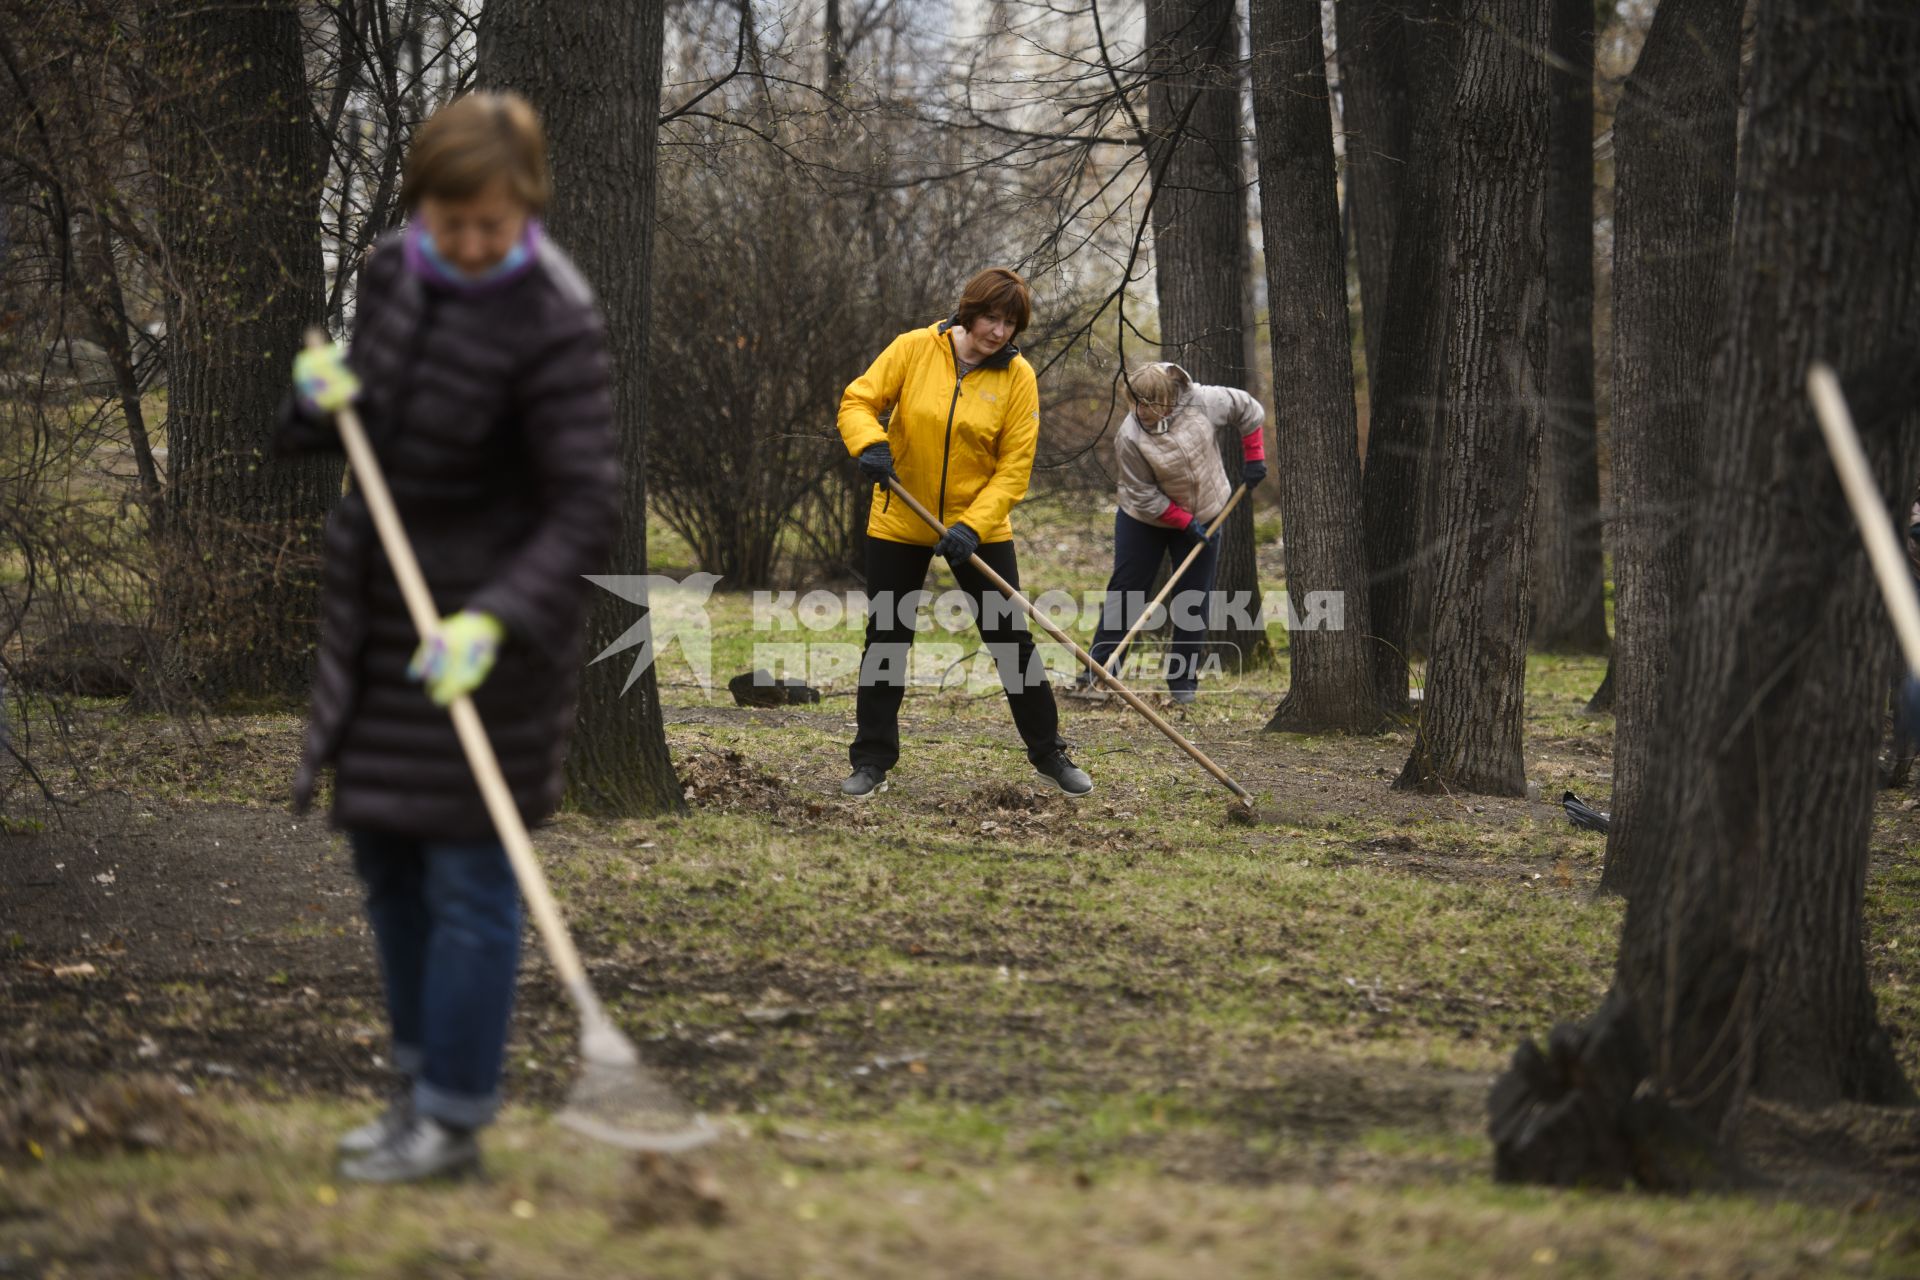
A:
<point x="455" y="660"/>
<point x="323" y="381"/>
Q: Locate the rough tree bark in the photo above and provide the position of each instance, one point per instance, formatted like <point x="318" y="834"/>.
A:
<point x="1674" y="137"/>
<point x="1377" y="114"/>
<point x="1317" y="456"/>
<point x="1741" y="958"/>
<point x="237" y="197"/>
<point x="1469" y="732"/>
<point x="1200" y="251"/>
<point x="1404" y="407"/>
<point x="593" y="71"/>
<point x="1569" y="611"/>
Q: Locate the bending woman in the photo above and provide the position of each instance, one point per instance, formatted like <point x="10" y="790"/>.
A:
<point x="1172" y="486"/>
<point x="479" y="367"/>
<point x="965" y="419"/>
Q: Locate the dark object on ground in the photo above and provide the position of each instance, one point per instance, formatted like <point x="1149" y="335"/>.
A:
<point x="758" y="688"/>
<point x="91" y="659"/>
<point x="1583" y="815"/>
<point x="665" y="1192"/>
<point x="1576" y="1115"/>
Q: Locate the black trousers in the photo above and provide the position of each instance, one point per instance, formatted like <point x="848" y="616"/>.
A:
<point x="895" y="570"/>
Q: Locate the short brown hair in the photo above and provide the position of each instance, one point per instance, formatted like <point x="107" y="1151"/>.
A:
<point x="471" y="141"/>
<point x="997" y="291"/>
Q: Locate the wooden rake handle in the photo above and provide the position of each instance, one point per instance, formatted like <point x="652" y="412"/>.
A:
<point x="1863" y="495"/>
<point x="1101" y="673"/>
<point x="1113" y="659"/>
<point x="466" y="719"/>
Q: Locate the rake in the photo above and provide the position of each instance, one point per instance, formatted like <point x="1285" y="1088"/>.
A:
<point x="1100" y="673"/>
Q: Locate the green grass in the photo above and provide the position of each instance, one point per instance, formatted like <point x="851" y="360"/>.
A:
<point x="1122" y="1037"/>
<point x="952" y="1190"/>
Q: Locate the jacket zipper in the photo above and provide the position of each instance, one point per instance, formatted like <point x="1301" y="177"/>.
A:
<point x="946" y="451"/>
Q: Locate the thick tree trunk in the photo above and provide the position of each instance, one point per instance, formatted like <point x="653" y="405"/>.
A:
<point x="1201" y="254"/>
<point x="1377" y="113"/>
<point x="593" y="71"/>
<point x="1674" y="139"/>
<point x="1741" y="965"/>
<point x="1317" y="458"/>
<point x="235" y="154"/>
<point x="1741" y="951"/>
<point x="1470" y="722"/>
<point x="1569" y="611"/>
<point x="1404" y="385"/>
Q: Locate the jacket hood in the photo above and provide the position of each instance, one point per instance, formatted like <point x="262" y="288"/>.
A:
<point x="998" y="360"/>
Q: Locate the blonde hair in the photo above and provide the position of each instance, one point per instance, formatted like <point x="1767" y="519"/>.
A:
<point x="473" y="140"/>
<point x="1156" y="382"/>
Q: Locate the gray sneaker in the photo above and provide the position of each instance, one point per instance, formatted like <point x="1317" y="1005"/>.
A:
<point x="1182" y="697"/>
<point x="1065" y="774"/>
<point x="864" y="781"/>
<point x="380" y="1130"/>
<point x="424" y="1149"/>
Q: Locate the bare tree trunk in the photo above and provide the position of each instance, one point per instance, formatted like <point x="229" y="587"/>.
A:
<point x="1377" y="102"/>
<point x="1404" y="386"/>
<point x="238" y="218"/>
<point x="1317" y="457"/>
<point x="1674" y="139"/>
<point x="1569" y="596"/>
<point x="1469" y="734"/>
<point x="1201" y="253"/>
<point x="1742" y="946"/>
<point x="1741" y="965"/>
<point x="594" y="73"/>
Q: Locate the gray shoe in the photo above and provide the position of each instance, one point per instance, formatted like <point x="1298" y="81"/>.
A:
<point x="424" y="1149"/>
<point x="864" y="781"/>
<point x="1182" y="697"/>
<point x="1065" y="774"/>
<point x="380" y="1130"/>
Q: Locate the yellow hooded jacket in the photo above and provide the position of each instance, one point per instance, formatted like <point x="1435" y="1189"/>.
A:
<point x="962" y="446"/>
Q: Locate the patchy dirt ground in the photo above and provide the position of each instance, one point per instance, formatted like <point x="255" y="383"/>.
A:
<point x="1115" y="1002"/>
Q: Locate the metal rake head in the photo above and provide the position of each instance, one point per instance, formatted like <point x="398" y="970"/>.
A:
<point x="617" y="1100"/>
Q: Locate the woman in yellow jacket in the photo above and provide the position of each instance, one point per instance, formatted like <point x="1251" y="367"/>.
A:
<point x="965" y="418"/>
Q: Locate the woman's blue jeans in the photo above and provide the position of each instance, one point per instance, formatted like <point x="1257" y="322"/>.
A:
<point x="446" y="920"/>
<point x="1138" y="549"/>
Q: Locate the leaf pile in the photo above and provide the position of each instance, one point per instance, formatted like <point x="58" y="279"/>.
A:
<point x="42" y="1118"/>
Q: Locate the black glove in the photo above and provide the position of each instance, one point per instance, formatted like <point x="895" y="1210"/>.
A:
<point x="876" y="462"/>
<point x="959" y="544"/>
<point x="1252" y="473"/>
<point x="1906" y="710"/>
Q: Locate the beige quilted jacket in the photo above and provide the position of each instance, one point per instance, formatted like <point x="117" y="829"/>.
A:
<point x="1177" y="459"/>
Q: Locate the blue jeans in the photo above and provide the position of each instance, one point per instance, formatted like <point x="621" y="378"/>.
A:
<point x="1137" y="550"/>
<point x="446" y="921"/>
